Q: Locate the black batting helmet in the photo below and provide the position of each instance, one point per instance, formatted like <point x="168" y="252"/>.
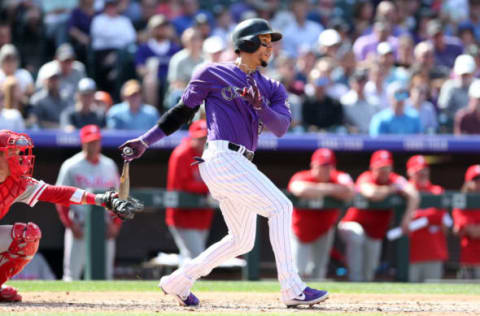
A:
<point x="245" y="35"/>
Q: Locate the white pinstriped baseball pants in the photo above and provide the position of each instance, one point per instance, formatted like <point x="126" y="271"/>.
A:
<point x="243" y="192"/>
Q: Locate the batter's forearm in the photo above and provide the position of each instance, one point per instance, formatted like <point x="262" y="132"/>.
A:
<point x="278" y="123"/>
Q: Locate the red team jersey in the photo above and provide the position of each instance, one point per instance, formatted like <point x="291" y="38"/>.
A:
<point x="374" y="222"/>
<point x="184" y="177"/>
<point x="429" y="243"/>
<point x="470" y="248"/>
<point x="308" y="225"/>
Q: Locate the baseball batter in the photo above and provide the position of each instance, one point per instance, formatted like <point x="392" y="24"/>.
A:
<point x="19" y="242"/>
<point x="89" y="170"/>
<point x="239" y="102"/>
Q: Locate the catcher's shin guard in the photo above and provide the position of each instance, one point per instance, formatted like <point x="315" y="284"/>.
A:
<point x="25" y="241"/>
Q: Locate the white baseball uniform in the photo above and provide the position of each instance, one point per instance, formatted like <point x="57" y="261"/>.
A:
<point x="77" y="171"/>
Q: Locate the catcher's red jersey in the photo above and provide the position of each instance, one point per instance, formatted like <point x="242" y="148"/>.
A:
<point x="25" y="189"/>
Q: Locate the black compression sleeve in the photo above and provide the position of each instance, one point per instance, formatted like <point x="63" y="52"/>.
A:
<point x="174" y="118"/>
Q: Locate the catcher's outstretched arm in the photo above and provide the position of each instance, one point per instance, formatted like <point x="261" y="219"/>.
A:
<point x="66" y="195"/>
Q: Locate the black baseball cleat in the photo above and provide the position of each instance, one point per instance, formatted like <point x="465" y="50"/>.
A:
<point x="309" y="297"/>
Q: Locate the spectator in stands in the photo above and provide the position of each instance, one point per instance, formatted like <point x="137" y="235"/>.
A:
<point x="110" y="30"/>
<point x="358" y="112"/>
<point x="10" y="117"/>
<point x="362" y="17"/>
<point x="13" y="96"/>
<point x="182" y="64"/>
<point x="224" y="24"/>
<point x="473" y="21"/>
<point x="454" y="92"/>
<point x="362" y="230"/>
<point x="305" y="63"/>
<point x="375" y="88"/>
<point x="285" y="72"/>
<point x="5" y="33"/>
<point x="202" y="24"/>
<point x="405" y="57"/>
<point x="446" y="48"/>
<point x="314" y="230"/>
<point x="365" y="47"/>
<point x="428" y="245"/>
<point x="29" y="38"/>
<point x="84" y="111"/>
<point x="326" y="67"/>
<point x="110" y="34"/>
<point x="386" y="60"/>
<point x="398" y="119"/>
<point x="424" y="61"/>
<point x="329" y="42"/>
<point x="467" y="120"/>
<point x="71" y="72"/>
<point x="9" y="66"/>
<point x="213" y="48"/>
<point x="55" y="18"/>
<point x="132" y="114"/>
<point x="48" y="103"/>
<point x="79" y="28"/>
<point x="189" y="228"/>
<point x="418" y="100"/>
<point x="152" y="59"/>
<point x="467" y="227"/>
<point x="319" y="111"/>
<point x="89" y="169"/>
<point x="103" y="101"/>
<point x="141" y="26"/>
<point x="190" y="10"/>
<point x="301" y="31"/>
<point x="389" y="11"/>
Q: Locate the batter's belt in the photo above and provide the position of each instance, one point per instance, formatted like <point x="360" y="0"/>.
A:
<point x="238" y="148"/>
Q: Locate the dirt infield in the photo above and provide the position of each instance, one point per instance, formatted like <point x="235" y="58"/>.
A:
<point x="241" y="303"/>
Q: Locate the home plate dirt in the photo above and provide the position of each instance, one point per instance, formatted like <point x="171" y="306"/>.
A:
<point x="240" y="303"/>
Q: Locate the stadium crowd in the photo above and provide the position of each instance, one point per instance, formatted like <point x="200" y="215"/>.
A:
<point x="368" y="67"/>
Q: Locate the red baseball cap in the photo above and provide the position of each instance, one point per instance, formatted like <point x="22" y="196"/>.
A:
<point x="472" y="172"/>
<point x="89" y="133"/>
<point x="416" y="163"/>
<point x="381" y="158"/>
<point x="323" y="156"/>
<point x="198" y="129"/>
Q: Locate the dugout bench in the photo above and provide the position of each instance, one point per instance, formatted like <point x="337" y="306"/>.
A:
<point x="160" y="199"/>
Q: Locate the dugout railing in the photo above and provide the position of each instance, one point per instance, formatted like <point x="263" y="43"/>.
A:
<point x="159" y="199"/>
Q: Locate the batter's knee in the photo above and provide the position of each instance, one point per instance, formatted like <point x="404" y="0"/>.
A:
<point x="243" y="244"/>
<point x="25" y="238"/>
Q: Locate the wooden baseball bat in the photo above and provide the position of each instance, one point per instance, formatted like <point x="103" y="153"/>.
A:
<point x="124" y="190"/>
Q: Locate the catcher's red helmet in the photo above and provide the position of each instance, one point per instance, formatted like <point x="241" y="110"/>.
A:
<point x="17" y="147"/>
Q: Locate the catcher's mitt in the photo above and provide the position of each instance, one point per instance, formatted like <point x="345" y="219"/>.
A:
<point x="124" y="209"/>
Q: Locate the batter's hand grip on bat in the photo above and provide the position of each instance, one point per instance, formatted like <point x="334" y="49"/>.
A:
<point x="127" y="151"/>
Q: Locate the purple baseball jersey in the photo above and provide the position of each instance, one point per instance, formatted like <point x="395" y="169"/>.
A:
<point x="229" y="116"/>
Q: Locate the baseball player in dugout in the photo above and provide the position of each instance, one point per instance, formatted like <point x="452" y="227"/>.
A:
<point x="363" y="230"/>
<point x="188" y="227"/>
<point x="19" y="242"/>
<point x="428" y="245"/>
<point x="239" y="101"/>
<point x="467" y="227"/>
<point x="314" y="230"/>
<point x="88" y="170"/>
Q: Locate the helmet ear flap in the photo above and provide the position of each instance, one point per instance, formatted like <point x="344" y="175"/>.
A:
<point x="250" y="45"/>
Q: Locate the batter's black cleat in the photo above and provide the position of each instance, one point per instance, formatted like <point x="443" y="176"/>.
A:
<point x="309" y="297"/>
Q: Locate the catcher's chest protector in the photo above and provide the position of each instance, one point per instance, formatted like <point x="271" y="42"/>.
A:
<point x="10" y="189"/>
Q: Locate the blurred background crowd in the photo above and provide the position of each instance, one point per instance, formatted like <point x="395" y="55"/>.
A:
<point x="350" y="66"/>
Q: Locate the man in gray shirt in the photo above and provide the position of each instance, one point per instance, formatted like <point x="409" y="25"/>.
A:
<point x="48" y="103"/>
